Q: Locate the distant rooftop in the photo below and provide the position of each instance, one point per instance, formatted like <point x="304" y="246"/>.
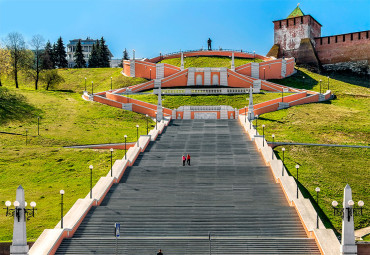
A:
<point x="297" y="12"/>
<point x="87" y="41"/>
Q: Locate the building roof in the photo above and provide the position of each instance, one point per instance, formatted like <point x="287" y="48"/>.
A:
<point x="297" y="12"/>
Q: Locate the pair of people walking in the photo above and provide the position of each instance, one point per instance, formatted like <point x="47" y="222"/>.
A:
<point x="186" y="159"/>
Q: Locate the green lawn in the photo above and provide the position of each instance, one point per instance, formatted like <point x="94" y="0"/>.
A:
<point x="43" y="167"/>
<point x="345" y="120"/>
<point x="208" y="61"/>
<point x="74" y="80"/>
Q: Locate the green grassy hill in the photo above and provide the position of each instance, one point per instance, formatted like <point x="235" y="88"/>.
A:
<point x="43" y="166"/>
<point x="208" y="61"/>
<point x="345" y="120"/>
<point x="74" y="80"/>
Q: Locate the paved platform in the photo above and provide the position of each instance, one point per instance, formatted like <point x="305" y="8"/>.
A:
<point x="227" y="192"/>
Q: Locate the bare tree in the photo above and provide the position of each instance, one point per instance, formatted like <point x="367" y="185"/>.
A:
<point x="37" y="43"/>
<point x="15" y="44"/>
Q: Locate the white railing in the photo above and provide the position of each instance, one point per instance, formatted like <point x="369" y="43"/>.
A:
<point x="209" y="91"/>
<point x="205" y="108"/>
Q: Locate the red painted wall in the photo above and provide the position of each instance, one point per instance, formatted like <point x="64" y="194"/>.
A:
<point x="244" y="69"/>
<point x="238" y="81"/>
<point x="195" y="77"/>
<point x="218" y="77"/>
<point x="178" y="79"/>
<point x="126" y="67"/>
<point x="145" y="70"/>
<point x="332" y="49"/>
<point x="272" y="69"/>
<point x="170" y="69"/>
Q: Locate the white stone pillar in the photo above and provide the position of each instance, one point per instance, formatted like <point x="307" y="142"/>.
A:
<point x="19" y="245"/>
<point x="182" y="67"/>
<point x="250" y="105"/>
<point x="159" y="105"/>
<point x="348" y="245"/>
<point x="232" y="62"/>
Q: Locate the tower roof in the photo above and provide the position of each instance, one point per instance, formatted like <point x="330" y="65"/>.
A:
<point x="297" y="12"/>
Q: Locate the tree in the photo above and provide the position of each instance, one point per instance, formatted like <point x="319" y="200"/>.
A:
<point x="79" y="56"/>
<point x="104" y="54"/>
<point x="16" y="46"/>
<point x="47" y="57"/>
<point x="5" y="62"/>
<point x="94" y="58"/>
<point x="51" y="78"/>
<point x="54" y="55"/>
<point x="125" y="55"/>
<point x="37" y="43"/>
<point x="60" y="54"/>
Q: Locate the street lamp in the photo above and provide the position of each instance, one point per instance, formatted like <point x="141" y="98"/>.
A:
<point x="297" y="167"/>
<point x="273" y="142"/>
<point x="92" y="88"/>
<point x="61" y="207"/>
<point x="282" y="169"/>
<point x="263" y="135"/>
<point x="147" y="128"/>
<point x="317" y="202"/>
<point x="111" y="83"/>
<point x="350" y="209"/>
<point x="155" y="120"/>
<point x="320" y="85"/>
<point x="254" y="56"/>
<point x="111" y="162"/>
<point x="16" y="212"/>
<point x="85" y="84"/>
<point x="125" y="146"/>
<point x="137" y="135"/>
<point x="256" y="123"/>
<point x="245" y="114"/>
<point x="282" y="94"/>
<point x="91" y="168"/>
<point x="328" y="82"/>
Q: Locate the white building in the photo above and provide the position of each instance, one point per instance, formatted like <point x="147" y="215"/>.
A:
<point x="86" y="50"/>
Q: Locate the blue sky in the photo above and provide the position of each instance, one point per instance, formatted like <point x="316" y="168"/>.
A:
<point x="153" y="26"/>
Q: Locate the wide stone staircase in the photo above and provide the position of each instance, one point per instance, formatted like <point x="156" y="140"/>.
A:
<point x="226" y="202"/>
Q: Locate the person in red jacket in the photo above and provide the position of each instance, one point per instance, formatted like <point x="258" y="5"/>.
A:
<point x="188" y="159"/>
<point x="183" y="160"/>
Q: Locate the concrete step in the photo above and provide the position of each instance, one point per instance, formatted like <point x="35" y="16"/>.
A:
<point x="180" y="246"/>
<point x="228" y="191"/>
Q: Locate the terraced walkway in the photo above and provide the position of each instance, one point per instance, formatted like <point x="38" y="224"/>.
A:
<point x="227" y="193"/>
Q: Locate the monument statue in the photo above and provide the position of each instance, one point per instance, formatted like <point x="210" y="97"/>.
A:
<point x="209" y="44"/>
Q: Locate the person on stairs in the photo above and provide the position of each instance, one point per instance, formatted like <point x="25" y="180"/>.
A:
<point x="160" y="252"/>
<point x="188" y="159"/>
<point x="183" y="160"/>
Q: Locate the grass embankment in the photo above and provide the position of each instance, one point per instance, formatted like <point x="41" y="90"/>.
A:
<point x="208" y="61"/>
<point x="345" y="120"/>
<point x="74" y="80"/>
<point x="43" y="167"/>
